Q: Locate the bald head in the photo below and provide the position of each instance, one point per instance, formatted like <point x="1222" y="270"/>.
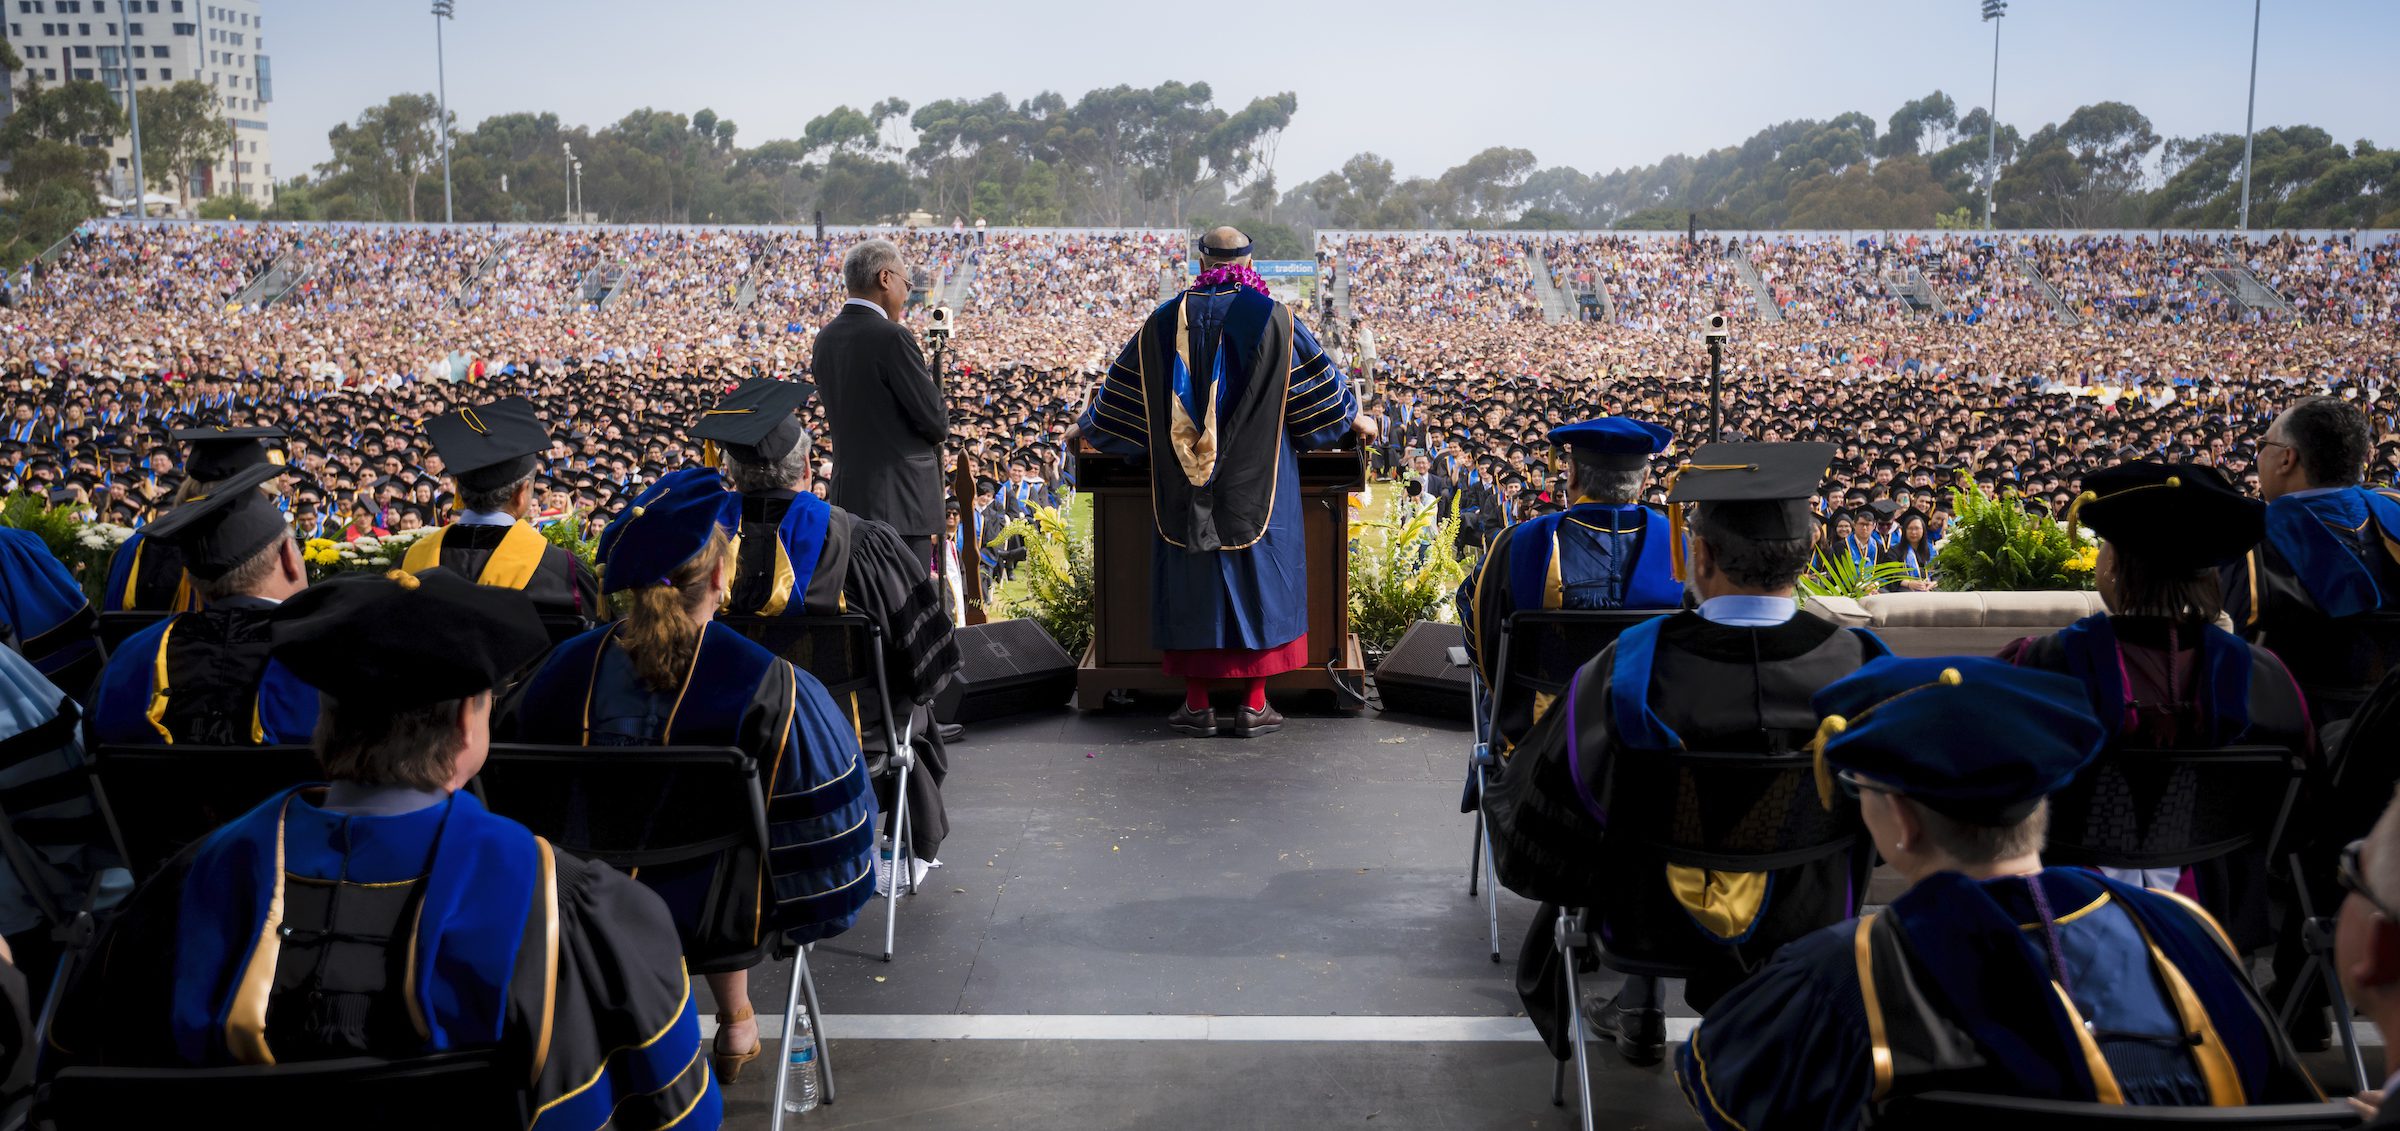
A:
<point x="1228" y="240"/>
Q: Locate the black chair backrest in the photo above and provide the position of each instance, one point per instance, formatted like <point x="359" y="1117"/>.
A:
<point x="630" y="806"/>
<point x="161" y="798"/>
<point x="1541" y="648"/>
<point x="563" y="627"/>
<point x="839" y="650"/>
<point x="118" y="627"/>
<point x="2134" y="808"/>
<point x="456" y="1091"/>
<point x="1734" y="812"/>
<point x="1960" y="1111"/>
<point x="2362" y="775"/>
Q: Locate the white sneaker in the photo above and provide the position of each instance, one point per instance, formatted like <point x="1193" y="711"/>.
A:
<point x="917" y="869"/>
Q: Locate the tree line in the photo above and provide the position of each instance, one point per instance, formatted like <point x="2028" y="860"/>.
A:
<point x="1171" y="156"/>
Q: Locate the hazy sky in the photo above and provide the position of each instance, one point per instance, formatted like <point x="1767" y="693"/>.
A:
<point x="1596" y="84"/>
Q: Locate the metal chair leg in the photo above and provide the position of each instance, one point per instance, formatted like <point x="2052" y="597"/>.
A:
<point x="1491" y="894"/>
<point x="791" y="1019"/>
<point x="1569" y="932"/>
<point x="1475" y="855"/>
<point x="901" y="859"/>
<point x="2343" y="1024"/>
<point x="1558" y="1086"/>
<point x="816" y="1021"/>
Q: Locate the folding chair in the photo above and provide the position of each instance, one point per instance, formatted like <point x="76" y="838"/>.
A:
<point x="39" y="814"/>
<point x="456" y="1091"/>
<point x="563" y="627"/>
<point x="1539" y="650"/>
<point x="159" y="799"/>
<point x="1729" y="812"/>
<point x="845" y="653"/>
<point x="655" y="806"/>
<point x="1961" y="1111"/>
<point x="118" y="627"/>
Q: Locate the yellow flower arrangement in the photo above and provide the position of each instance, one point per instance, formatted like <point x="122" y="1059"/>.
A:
<point x="322" y="551"/>
<point x="2085" y="560"/>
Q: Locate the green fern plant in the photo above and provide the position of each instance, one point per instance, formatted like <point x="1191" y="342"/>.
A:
<point x="1392" y="586"/>
<point x="1053" y="587"/>
<point x="1840" y="575"/>
<point x="1996" y="545"/>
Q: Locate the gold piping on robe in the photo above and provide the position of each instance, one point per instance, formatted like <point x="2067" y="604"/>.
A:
<point x="1195" y="444"/>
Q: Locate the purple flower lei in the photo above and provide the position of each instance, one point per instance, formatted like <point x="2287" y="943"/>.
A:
<point x="1233" y="273"/>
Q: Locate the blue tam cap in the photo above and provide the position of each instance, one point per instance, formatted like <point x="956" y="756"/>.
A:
<point x="667" y="525"/>
<point x="1974" y="739"/>
<point x="1617" y="442"/>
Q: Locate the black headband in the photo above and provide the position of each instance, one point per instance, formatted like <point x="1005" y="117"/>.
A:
<point x="1207" y="252"/>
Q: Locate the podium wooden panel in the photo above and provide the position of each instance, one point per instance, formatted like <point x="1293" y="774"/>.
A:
<point x="1121" y="657"/>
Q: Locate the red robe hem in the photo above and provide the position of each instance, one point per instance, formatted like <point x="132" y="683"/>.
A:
<point x="1237" y="663"/>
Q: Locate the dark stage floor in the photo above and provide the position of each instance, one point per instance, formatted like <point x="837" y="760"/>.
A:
<point x="1133" y="929"/>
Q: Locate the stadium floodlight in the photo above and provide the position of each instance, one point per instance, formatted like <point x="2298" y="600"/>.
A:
<point x="443" y="10"/>
<point x="133" y="113"/>
<point x="567" y="174"/>
<point x="1992" y="11"/>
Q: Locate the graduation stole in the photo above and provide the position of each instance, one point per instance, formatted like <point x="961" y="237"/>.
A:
<point x="799" y="542"/>
<point x="2096" y="659"/>
<point x="511" y="565"/>
<point x="480" y="873"/>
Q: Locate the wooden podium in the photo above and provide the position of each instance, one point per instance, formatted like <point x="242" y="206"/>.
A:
<point x="1121" y="657"/>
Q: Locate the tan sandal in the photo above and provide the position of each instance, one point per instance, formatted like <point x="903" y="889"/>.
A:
<point x="729" y="1065"/>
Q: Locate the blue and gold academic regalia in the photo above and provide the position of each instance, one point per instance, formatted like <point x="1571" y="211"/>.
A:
<point x="516" y="557"/>
<point x="1210" y="392"/>
<point x="1589" y="556"/>
<point x="1674" y="682"/>
<point x="43" y="775"/>
<point x="49" y="620"/>
<point x="2329" y="560"/>
<point x="303" y="933"/>
<point x="203" y="678"/>
<point x="820" y="811"/>
<point x="795" y="554"/>
<point x="145" y="575"/>
<point x="1951" y="988"/>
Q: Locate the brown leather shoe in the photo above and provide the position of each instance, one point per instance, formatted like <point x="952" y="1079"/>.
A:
<point x="1198" y="724"/>
<point x="1250" y="724"/>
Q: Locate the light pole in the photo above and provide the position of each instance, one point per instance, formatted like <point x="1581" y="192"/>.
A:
<point x="442" y="10"/>
<point x="566" y="180"/>
<point x="2250" y="120"/>
<point x="579" y="190"/>
<point x="133" y="113"/>
<point x="1992" y="11"/>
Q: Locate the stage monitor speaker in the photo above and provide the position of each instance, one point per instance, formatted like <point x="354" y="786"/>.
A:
<point x="1418" y="677"/>
<point x="1006" y="667"/>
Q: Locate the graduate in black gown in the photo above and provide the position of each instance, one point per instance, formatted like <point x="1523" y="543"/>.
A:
<point x="492" y="452"/>
<point x="1991" y="974"/>
<point x="147" y="575"/>
<point x="1733" y="675"/>
<point x="668" y="674"/>
<point x="797" y="555"/>
<point x="1605" y="551"/>
<point x="2160" y="674"/>
<point x="206" y="677"/>
<point x="387" y="913"/>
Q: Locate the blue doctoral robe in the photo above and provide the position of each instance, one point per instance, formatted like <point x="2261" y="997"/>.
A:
<point x="1590" y="556"/>
<point x="1253" y="598"/>
<point x="2305" y="591"/>
<point x="820" y="809"/>
<point x="1801" y="1045"/>
<point x="128" y="708"/>
<point x="146" y="575"/>
<point x="42" y="771"/>
<point x="49" y="618"/>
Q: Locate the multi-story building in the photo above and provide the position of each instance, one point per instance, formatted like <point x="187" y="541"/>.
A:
<point x="161" y="42"/>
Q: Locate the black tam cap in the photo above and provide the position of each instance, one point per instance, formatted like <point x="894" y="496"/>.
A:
<point x="489" y="445"/>
<point x="227" y="526"/>
<point x="2177" y="516"/>
<point x="754" y="423"/>
<point x="406" y="640"/>
<point x="219" y="452"/>
<point x="1759" y="491"/>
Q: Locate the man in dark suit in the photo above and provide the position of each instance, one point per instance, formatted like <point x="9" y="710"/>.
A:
<point x="886" y="417"/>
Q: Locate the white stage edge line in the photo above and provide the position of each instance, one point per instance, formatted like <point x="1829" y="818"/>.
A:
<point x="1202" y="1027"/>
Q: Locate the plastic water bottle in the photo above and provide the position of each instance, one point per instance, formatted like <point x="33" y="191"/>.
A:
<point x="800" y="1070"/>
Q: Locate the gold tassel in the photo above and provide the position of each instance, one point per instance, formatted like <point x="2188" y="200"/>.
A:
<point x="1833" y="725"/>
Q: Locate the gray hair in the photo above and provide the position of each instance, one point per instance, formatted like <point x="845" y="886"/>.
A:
<point x="252" y="573"/>
<point x="868" y="260"/>
<point x="768" y="475"/>
<point x="495" y="498"/>
<point x="1616" y="486"/>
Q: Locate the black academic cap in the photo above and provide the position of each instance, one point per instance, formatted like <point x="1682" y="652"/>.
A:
<point x="219" y="452"/>
<point x="754" y="423"/>
<point x="2175" y="516"/>
<point x="489" y="445"/>
<point x="1758" y="490"/>
<point x="229" y="525"/>
<point x="396" y="639"/>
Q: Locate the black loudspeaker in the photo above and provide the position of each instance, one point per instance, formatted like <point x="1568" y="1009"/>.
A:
<point x="1418" y="677"/>
<point x="1006" y="667"/>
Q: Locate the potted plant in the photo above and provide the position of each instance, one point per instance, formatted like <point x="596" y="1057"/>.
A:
<point x="1996" y="545"/>
<point x="1401" y="572"/>
<point x="1053" y="586"/>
